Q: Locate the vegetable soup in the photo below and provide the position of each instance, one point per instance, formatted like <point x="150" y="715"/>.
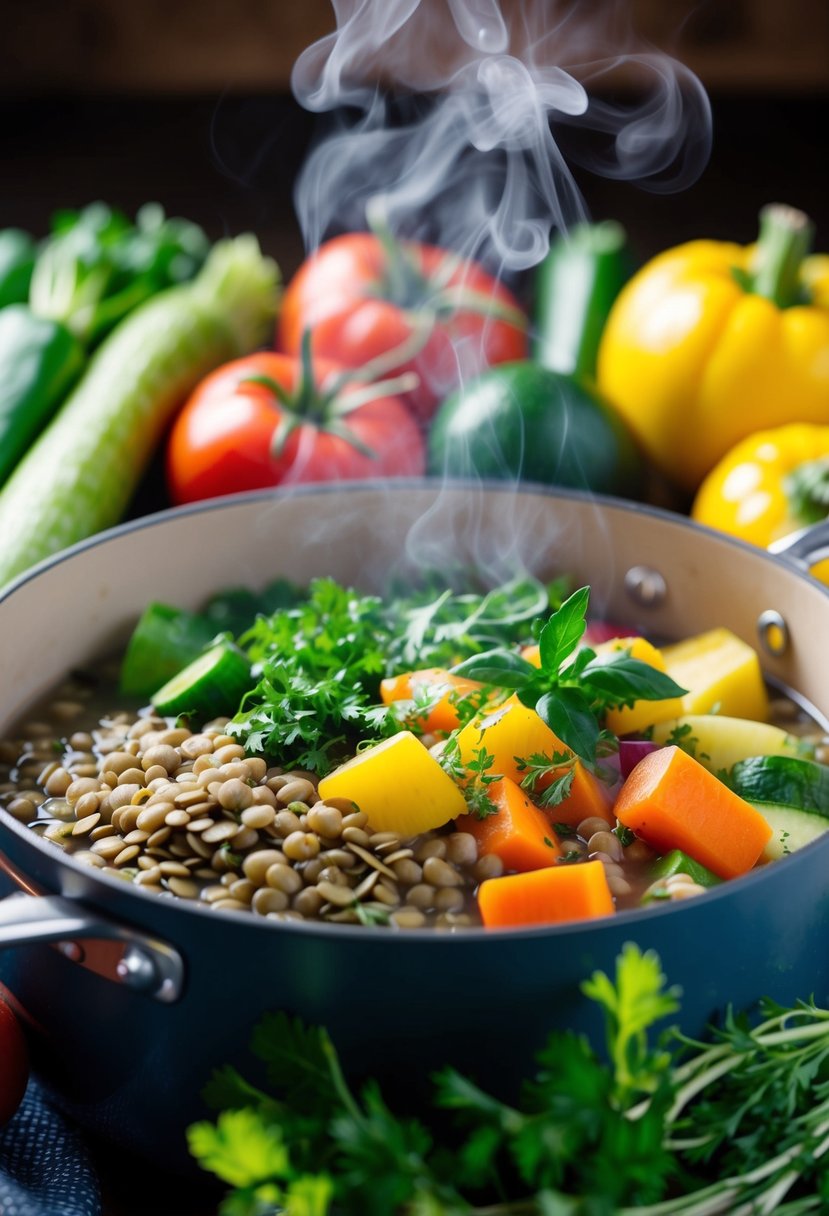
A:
<point x="437" y="759"/>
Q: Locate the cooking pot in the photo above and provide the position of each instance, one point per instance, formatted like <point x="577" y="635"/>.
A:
<point x="132" y="999"/>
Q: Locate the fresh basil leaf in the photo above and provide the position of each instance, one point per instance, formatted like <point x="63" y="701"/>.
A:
<point x="564" y="630"/>
<point x="622" y="680"/>
<point x="500" y="667"/>
<point x="568" y="714"/>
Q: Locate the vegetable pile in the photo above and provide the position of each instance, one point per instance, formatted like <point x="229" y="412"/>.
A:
<point x="660" y="1126"/>
<point x="394" y="358"/>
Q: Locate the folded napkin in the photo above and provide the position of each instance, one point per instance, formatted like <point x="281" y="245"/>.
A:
<point x="44" y="1165"/>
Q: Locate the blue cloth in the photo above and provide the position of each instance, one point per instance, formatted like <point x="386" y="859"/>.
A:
<point x="45" y="1169"/>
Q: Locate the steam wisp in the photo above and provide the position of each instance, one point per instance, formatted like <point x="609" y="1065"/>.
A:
<point x="477" y="167"/>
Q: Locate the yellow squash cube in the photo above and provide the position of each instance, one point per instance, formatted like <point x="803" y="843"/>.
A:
<point x="399" y="785"/>
<point x="641" y="714"/>
<point x="722" y="674"/>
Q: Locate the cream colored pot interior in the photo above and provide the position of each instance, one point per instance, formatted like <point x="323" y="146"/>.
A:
<point x="647" y="569"/>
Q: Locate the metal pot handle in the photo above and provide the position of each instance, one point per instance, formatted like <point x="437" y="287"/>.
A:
<point x="806" y="547"/>
<point x="145" y="964"/>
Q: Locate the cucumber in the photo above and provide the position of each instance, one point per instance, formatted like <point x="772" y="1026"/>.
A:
<point x="783" y="781"/>
<point x="793" y="828"/>
<point x="677" y="862"/>
<point x="164" y="641"/>
<point x="213" y="685"/>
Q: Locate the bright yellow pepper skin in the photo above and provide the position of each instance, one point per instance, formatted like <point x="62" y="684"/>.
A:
<point x="694" y="360"/>
<point x="769" y="485"/>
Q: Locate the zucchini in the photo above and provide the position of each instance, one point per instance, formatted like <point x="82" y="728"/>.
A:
<point x="793" y="828"/>
<point x="164" y="640"/>
<point x="783" y="781"/>
<point x="80" y="474"/>
<point x="211" y="686"/>
<point x="576" y="285"/>
<point x="719" y="742"/>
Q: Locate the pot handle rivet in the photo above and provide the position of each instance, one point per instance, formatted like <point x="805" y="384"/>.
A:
<point x="773" y="633"/>
<point x="646" y="586"/>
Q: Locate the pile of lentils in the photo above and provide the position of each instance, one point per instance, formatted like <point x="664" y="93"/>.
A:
<point x="187" y="814"/>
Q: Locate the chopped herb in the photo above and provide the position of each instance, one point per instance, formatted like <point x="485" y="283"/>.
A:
<point x="626" y="835"/>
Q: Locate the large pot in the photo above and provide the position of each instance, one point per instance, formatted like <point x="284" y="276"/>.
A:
<point x="142" y="996"/>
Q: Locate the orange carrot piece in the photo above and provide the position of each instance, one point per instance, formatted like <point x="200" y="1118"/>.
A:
<point x="519" y="833"/>
<point x="515" y="731"/>
<point x="672" y="802"/>
<point x="443" y="715"/>
<point x="551" y="896"/>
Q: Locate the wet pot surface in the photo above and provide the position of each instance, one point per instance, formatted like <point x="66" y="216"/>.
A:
<point x="397" y="1005"/>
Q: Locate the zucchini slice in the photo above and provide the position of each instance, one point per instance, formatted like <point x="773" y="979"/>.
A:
<point x="793" y="828"/>
<point x="211" y="686"/>
<point x="783" y="781"/>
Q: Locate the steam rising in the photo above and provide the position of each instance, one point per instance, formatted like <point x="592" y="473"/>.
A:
<point x="478" y="167"/>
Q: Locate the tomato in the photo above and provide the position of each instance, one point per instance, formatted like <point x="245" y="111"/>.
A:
<point x="234" y="434"/>
<point x="411" y="306"/>
<point x="14" y="1063"/>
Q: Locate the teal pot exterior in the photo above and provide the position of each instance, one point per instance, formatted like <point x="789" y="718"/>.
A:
<point x="132" y="999"/>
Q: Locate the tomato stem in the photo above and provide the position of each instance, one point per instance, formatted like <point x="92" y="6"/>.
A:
<point x="785" y="240"/>
<point x="402" y="282"/>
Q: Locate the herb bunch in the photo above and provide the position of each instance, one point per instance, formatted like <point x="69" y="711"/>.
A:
<point x="320" y="657"/>
<point x="672" y="1127"/>
<point x="573" y="687"/>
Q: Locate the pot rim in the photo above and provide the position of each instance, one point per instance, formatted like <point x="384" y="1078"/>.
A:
<point x="375" y="933"/>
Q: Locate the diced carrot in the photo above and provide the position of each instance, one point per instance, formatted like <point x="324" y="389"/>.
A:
<point x="519" y="833"/>
<point x="641" y="714"/>
<point x="672" y="802"/>
<point x="514" y="732"/>
<point x="445" y="688"/>
<point x="551" y="896"/>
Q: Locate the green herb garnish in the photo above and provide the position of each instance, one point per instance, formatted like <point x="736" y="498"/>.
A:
<point x="657" y="1125"/>
<point x="573" y="687"/>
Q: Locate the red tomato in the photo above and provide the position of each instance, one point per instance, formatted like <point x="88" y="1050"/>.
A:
<point x="230" y="435"/>
<point x="447" y="319"/>
<point x="14" y="1063"/>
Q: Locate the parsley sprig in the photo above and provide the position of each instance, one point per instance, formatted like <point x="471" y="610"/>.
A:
<point x="573" y="687"/>
<point x="661" y="1125"/>
<point x="320" y="656"/>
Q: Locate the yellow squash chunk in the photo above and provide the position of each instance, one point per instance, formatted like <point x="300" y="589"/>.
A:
<point x="515" y="731"/>
<point x="722" y="673"/>
<point x="718" y="742"/>
<point x="641" y="714"/>
<point x="399" y="785"/>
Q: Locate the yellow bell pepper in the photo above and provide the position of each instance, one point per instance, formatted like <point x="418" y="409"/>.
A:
<point x="711" y="341"/>
<point x="770" y="484"/>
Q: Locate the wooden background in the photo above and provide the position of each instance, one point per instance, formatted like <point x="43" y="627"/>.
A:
<point x="191" y="46"/>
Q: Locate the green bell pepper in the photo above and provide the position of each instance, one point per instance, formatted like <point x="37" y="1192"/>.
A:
<point x="17" y="260"/>
<point x="39" y="362"/>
